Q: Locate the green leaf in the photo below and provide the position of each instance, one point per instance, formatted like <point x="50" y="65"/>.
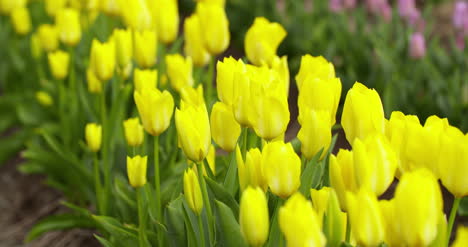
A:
<point x="59" y="222"/>
<point x="30" y="167"/>
<point x="230" y="180"/>
<point x="12" y="144"/>
<point x="463" y="208"/>
<point x="103" y="241"/>
<point x="175" y="222"/>
<point x="114" y="227"/>
<point x="76" y="208"/>
<point x="223" y="195"/>
<point x="229" y="230"/>
<point x="311" y="174"/>
<point x="191" y="225"/>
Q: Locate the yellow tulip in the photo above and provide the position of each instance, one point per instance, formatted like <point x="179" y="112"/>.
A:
<point x="7" y="6"/>
<point x="179" y="70"/>
<point x="145" y="79"/>
<point x="363" y="113"/>
<point x="93" y="135"/>
<point x="417" y="220"/>
<point x="375" y="163"/>
<point x="193" y="45"/>
<point x="36" y="49"/>
<point x="193" y="130"/>
<point x="166" y="13"/>
<point x="262" y="40"/>
<point x="282" y="167"/>
<point x="218" y="2"/>
<point x="58" y="64"/>
<point x="251" y="172"/>
<point x="94" y="84"/>
<point x="315" y="133"/>
<point x="229" y="74"/>
<point x="155" y="120"/>
<point x="211" y="160"/>
<point x="44" y="98"/>
<point x="367" y="221"/>
<point x="299" y="223"/>
<point x="342" y="177"/>
<point x="314" y="67"/>
<point x="52" y="7"/>
<point x="320" y="201"/>
<point x="133" y="132"/>
<point x="462" y="237"/>
<point x="253" y="216"/>
<point x="320" y="95"/>
<point x="224" y="128"/>
<point x="453" y="161"/>
<point x="110" y="7"/>
<point x="214" y="27"/>
<point x="48" y="36"/>
<point x="21" y="20"/>
<point x="280" y="66"/>
<point x="123" y="46"/>
<point x="136" y="170"/>
<point x="68" y="25"/>
<point x="136" y="14"/>
<point x="145" y="48"/>
<point x="193" y="96"/>
<point x="192" y="190"/>
<point x="103" y="59"/>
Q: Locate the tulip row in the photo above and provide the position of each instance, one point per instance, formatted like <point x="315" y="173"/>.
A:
<point x="258" y="193"/>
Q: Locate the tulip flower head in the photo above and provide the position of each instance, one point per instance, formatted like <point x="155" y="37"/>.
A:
<point x="44" y="98"/>
<point x="133" y="132"/>
<point x="123" y="46"/>
<point x="315" y="133"/>
<point x="145" y="48"/>
<point x="179" y="70"/>
<point x="214" y="26"/>
<point x="58" y="64"/>
<point x="251" y="172"/>
<point x="145" y="79"/>
<point x="7" y="6"/>
<point x="417" y="46"/>
<point x="462" y="237"/>
<point x="103" y="59"/>
<point x="94" y="84"/>
<point x="136" y="170"/>
<point x="166" y="14"/>
<point x="21" y="20"/>
<point x="68" y="25"/>
<point x="192" y="190"/>
<point x="253" y="216"/>
<point x="155" y="120"/>
<point x="52" y="7"/>
<point x="315" y="67"/>
<point x="193" y="45"/>
<point x="224" y="128"/>
<point x="48" y="37"/>
<point x="93" y="135"/>
<point x="342" y="177"/>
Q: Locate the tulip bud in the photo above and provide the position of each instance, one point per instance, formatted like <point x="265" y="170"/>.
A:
<point x="145" y="48"/>
<point x="462" y="237"/>
<point x="179" y="70"/>
<point x="21" y="20"/>
<point x="193" y="96"/>
<point x="282" y="167"/>
<point x="7" y="6"/>
<point x="299" y="223"/>
<point x="136" y="15"/>
<point x="166" y="13"/>
<point x="314" y="67"/>
<point x="58" y="64"/>
<point x="342" y="177"/>
<point x="251" y="172"/>
<point x="93" y="135"/>
<point x="155" y="120"/>
<point x="192" y="191"/>
<point x="68" y="25"/>
<point x="48" y="36"/>
<point x="145" y="79"/>
<point x="363" y="113"/>
<point x="136" y="170"/>
<point x="193" y="45"/>
<point x="193" y="130"/>
<point x="320" y="201"/>
<point x="52" y="7"/>
<point x="315" y="133"/>
<point x="123" y="46"/>
<point x="103" y="59"/>
<point x="214" y="27"/>
<point x="44" y="98"/>
<point x="367" y="222"/>
<point x="110" y="7"/>
<point x="224" y="128"/>
<point x="229" y="74"/>
<point x="94" y="84"/>
<point x="253" y="216"/>
<point x="280" y="66"/>
<point x="133" y="132"/>
<point x="417" y="45"/>
<point x="36" y="49"/>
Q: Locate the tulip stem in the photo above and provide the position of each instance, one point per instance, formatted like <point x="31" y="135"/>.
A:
<point x="141" y="218"/>
<point x="453" y="214"/>
<point x="244" y="142"/>
<point x="206" y="200"/>
<point x="202" y="232"/>
<point x="348" y="229"/>
<point x="97" y="183"/>
<point x="209" y="83"/>
<point x="104" y="152"/>
<point x="157" y="187"/>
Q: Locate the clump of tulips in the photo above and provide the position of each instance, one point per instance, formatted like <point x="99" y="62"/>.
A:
<point x="169" y="160"/>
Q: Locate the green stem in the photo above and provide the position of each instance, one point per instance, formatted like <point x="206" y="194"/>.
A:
<point x="141" y="219"/>
<point x="244" y="142"/>
<point x="206" y="199"/>
<point x="97" y="183"/>
<point x="104" y="152"/>
<point x="453" y="214"/>
<point x="161" y="63"/>
<point x="348" y="229"/>
<point x="157" y="187"/>
<point x="303" y="162"/>
<point x="209" y="82"/>
<point x="202" y="232"/>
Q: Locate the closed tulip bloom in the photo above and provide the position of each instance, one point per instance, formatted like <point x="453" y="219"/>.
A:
<point x="417" y="47"/>
<point x="262" y="40"/>
<point x="123" y="46"/>
<point x="229" y="74"/>
<point x="363" y="113"/>
<point x="94" y="84"/>
<point x="58" y="64"/>
<point x="282" y="167"/>
<point x="93" y="135"/>
<point x="453" y="162"/>
<point x="44" y="98"/>
<point x="280" y="66"/>
<point x="417" y="220"/>
<point x="314" y="67"/>
<point x="315" y="133"/>
<point x="68" y="25"/>
<point x="145" y="48"/>
<point x="21" y="20"/>
<point x="253" y="216"/>
<point x="224" y="128"/>
<point x="145" y="79"/>
<point x="133" y="132"/>
<point x="193" y="96"/>
<point x="367" y="222"/>
<point x="251" y="172"/>
<point x="214" y="27"/>
<point x="48" y="36"/>
<point x="52" y="7"/>
<point x="320" y="201"/>
<point x="375" y="163"/>
<point x="193" y="45"/>
<point x="7" y="6"/>
<point x="35" y="44"/>
<point x="155" y="120"/>
<point x="211" y="160"/>
<point x="110" y="7"/>
<point x="166" y="13"/>
<point x="136" y="15"/>
<point x="299" y="223"/>
<point x="193" y="130"/>
<point x="136" y="170"/>
<point x="342" y="177"/>
<point x="103" y="59"/>
<point x="192" y="191"/>
<point x="462" y="237"/>
<point x="179" y="70"/>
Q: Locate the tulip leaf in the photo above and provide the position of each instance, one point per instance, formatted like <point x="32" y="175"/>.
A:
<point x="114" y="227"/>
<point x="275" y="236"/>
<point x="59" y="222"/>
<point x="463" y="209"/>
<point x="333" y="225"/>
<point x="175" y="222"/>
<point x="103" y="241"/>
<point x="230" y="234"/>
<point x="311" y="174"/>
<point x="223" y="195"/>
<point x="230" y="180"/>
<point x="191" y="225"/>
<point x="12" y="144"/>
